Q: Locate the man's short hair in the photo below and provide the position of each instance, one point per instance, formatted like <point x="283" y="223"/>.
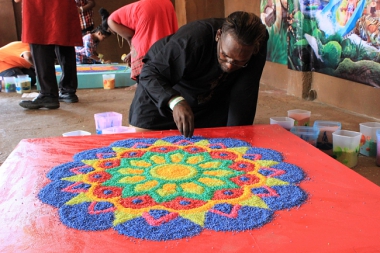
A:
<point x="246" y="28"/>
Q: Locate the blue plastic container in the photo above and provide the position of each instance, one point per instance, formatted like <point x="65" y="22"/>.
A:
<point x="307" y="133"/>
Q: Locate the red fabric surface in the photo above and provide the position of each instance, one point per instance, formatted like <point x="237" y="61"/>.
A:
<point x="340" y="215"/>
<point x="53" y="22"/>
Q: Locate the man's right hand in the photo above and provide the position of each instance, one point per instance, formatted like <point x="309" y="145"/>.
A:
<point x="184" y="118"/>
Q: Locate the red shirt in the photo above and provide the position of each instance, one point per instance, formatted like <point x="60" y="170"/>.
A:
<point x="53" y="22"/>
<point x="151" y="20"/>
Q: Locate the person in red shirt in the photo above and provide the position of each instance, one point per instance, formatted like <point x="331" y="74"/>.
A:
<point x="52" y="32"/>
<point x="141" y="24"/>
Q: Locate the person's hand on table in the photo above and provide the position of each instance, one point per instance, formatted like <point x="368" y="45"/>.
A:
<point x="184" y="118"/>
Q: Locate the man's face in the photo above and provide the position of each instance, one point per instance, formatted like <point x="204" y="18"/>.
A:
<point x="231" y="54"/>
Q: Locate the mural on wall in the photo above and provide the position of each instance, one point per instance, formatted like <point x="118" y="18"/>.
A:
<point x="340" y="38"/>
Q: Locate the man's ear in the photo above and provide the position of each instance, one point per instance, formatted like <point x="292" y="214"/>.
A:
<point x="218" y="34"/>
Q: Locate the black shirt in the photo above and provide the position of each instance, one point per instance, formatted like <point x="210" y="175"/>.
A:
<point x="186" y="64"/>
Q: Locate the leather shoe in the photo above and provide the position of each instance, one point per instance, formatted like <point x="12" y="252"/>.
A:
<point x="40" y="102"/>
<point x="68" y="97"/>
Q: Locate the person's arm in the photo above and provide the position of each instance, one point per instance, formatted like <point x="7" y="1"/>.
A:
<point x="87" y="7"/>
<point x="164" y="66"/>
<point x="122" y="30"/>
<point x="16" y="1"/>
<point x="28" y="56"/>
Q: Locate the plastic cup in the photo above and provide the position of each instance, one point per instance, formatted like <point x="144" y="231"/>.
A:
<point x="106" y="120"/>
<point x="307" y="133"/>
<point x="285" y="122"/>
<point x="118" y="129"/>
<point x="325" y="140"/>
<point x="109" y="81"/>
<point x="369" y="141"/>
<point x="301" y="117"/>
<point x="23" y="85"/>
<point x="10" y="84"/>
<point x="346" y="147"/>
<point x="76" y="133"/>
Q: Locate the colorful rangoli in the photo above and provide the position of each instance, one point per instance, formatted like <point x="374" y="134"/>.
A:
<point x="174" y="187"/>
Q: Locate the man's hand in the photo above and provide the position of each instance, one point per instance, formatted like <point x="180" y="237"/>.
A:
<point x="127" y="59"/>
<point x="184" y="118"/>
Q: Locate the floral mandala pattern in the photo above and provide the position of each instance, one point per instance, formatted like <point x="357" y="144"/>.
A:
<point x="174" y="187"/>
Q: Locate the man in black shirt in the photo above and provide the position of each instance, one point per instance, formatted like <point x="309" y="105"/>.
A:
<point x="207" y="74"/>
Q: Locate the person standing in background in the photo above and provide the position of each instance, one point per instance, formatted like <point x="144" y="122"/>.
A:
<point x="52" y="32"/>
<point x="85" y="10"/>
<point x="141" y="24"/>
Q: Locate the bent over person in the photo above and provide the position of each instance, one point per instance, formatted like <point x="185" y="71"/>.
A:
<point x="207" y="74"/>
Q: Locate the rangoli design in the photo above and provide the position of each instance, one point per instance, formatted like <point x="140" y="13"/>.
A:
<point x="173" y="187"/>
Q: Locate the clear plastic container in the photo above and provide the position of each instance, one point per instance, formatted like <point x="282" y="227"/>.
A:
<point x="10" y="84"/>
<point x="285" y="122"/>
<point x="76" y="133"/>
<point x="106" y="120"/>
<point x="23" y="85"/>
<point x="369" y="140"/>
<point x="301" y="117"/>
<point x="109" y="81"/>
<point x="307" y="133"/>
<point x="325" y="140"/>
<point x="346" y="145"/>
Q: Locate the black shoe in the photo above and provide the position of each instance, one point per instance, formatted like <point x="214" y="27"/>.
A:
<point x="68" y="97"/>
<point x="40" y="102"/>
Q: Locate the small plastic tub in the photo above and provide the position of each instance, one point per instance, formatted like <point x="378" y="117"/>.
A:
<point x="118" y="129"/>
<point x="285" y="122"/>
<point x="325" y="140"/>
<point x="346" y="146"/>
<point x="369" y="141"/>
<point x="107" y="119"/>
<point x="301" y="117"/>
<point x="76" y="133"/>
<point x="306" y="133"/>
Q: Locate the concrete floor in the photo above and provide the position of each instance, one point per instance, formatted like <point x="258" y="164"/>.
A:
<point x="18" y="123"/>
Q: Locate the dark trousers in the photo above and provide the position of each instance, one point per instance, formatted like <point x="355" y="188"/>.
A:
<point x="44" y="62"/>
